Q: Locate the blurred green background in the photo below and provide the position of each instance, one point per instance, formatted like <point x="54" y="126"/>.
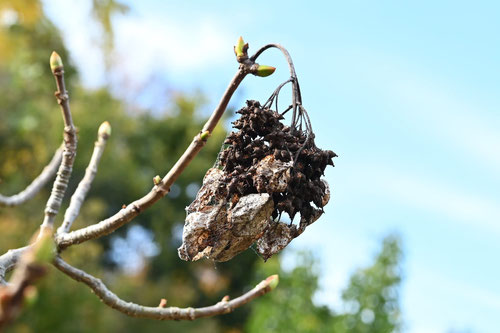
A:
<point x="139" y="262"/>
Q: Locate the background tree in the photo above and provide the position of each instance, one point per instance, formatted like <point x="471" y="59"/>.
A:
<point x="372" y="296"/>
<point x="370" y="301"/>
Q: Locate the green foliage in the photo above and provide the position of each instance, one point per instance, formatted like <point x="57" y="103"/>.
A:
<point x="289" y="308"/>
<point x="372" y="295"/>
<point x="371" y="299"/>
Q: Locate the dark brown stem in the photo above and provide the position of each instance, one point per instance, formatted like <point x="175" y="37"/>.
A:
<point x="296" y="95"/>
<point x="283" y="50"/>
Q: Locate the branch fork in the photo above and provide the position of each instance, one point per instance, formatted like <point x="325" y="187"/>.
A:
<point x="64" y="237"/>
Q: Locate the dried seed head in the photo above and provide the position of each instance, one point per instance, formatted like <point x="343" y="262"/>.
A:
<point x="260" y="134"/>
<point x="264" y="157"/>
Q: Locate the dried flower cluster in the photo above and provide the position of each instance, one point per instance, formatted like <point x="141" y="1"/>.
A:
<point x="262" y="134"/>
<point x="267" y="169"/>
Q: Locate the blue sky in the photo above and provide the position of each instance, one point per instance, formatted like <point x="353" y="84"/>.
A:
<point x="405" y="92"/>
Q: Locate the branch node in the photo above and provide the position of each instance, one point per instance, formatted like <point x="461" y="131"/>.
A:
<point x="136" y="208"/>
<point x="205" y="135"/>
<point x="61" y="96"/>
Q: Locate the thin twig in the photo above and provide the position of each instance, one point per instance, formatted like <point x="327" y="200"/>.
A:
<point x="84" y="186"/>
<point x="296" y="95"/>
<point x="162" y="313"/>
<point x="70" y="143"/>
<point x="126" y="214"/>
<point x="36" y="185"/>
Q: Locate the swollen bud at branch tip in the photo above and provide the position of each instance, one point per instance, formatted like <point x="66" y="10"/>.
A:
<point x="55" y="61"/>
<point x="273" y="281"/>
<point x="104" y="130"/>
<point x="157" y="180"/>
<point x="238" y="49"/>
<point x="264" y="71"/>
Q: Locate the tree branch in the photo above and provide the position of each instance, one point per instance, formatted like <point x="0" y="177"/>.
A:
<point x="70" y="143"/>
<point x="84" y="186"/>
<point x="36" y="185"/>
<point x="12" y="295"/>
<point x="161" y="313"/>
<point x="126" y="214"/>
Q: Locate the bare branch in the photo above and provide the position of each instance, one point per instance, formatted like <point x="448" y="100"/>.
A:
<point x="126" y="214"/>
<point x="84" y="186"/>
<point x="160" y="312"/>
<point x="36" y="185"/>
<point x="70" y="142"/>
